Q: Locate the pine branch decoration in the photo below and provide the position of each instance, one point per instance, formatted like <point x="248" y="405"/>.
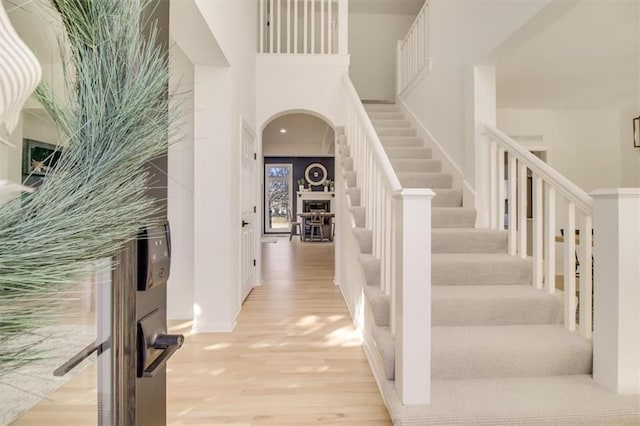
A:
<point x="115" y="116"/>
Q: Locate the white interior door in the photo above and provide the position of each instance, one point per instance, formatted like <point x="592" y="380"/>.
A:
<point x="248" y="212"/>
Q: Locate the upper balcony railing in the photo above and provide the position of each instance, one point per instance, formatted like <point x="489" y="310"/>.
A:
<point x="413" y="58"/>
<point x="303" y="27"/>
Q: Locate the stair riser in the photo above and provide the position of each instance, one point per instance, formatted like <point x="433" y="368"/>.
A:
<point x="381" y="124"/>
<point x="386" y="115"/>
<point x="410" y="165"/>
<point x="354" y="196"/>
<point x="347" y="164"/>
<point x="351" y="179"/>
<point x="462" y="353"/>
<point x="407" y="152"/>
<point x="489" y="352"/>
<point x="449" y="198"/>
<point x="452" y="218"/>
<point x="359" y="215"/>
<point x="396" y="131"/>
<point x="371" y="268"/>
<point x="468" y="242"/>
<point x="379" y="304"/>
<point x="364" y="237"/>
<point x="426" y="180"/>
<point x="402" y="141"/>
<point x="454" y="272"/>
<point x="378" y="107"/>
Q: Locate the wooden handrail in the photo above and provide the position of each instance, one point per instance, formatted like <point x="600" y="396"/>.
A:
<point x="381" y="156"/>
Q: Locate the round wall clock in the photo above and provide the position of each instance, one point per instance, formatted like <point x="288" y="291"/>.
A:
<point x="315" y="174"/>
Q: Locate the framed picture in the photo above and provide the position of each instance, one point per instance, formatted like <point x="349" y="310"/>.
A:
<point x="39" y="158"/>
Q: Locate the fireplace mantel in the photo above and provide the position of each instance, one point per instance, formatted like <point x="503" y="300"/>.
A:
<point x="315" y="195"/>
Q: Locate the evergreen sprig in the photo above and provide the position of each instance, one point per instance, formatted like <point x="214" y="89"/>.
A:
<point x="115" y="116"/>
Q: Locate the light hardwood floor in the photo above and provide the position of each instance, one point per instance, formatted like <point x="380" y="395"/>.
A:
<point x="293" y="359"/>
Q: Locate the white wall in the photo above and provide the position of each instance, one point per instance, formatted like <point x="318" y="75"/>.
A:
<point x="223" y="96"/>
<point x="180" y="189"/>
<point x="300" y="83"/>
<point x="372" y="45"/>
<point x="462" y="34"/>
<point x="583" y="145"/>
<point x="630" y="156"/>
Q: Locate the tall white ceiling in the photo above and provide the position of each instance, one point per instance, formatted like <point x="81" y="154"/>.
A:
<point x="588" y="58"/>
<point x="306" y="135"/>
<point x="397" y="7"/>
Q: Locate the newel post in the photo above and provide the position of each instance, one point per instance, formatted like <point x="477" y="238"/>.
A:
<point x="413" y="297"/>
<point x="616" y="254"/>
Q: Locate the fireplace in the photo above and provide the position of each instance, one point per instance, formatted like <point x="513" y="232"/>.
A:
<point x="310" y="205"/>
<point x="315" y="200"/>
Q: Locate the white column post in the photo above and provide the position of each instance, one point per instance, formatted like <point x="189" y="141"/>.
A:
<point x="343" y="27"/>
<point x="616" y="334"/>
<point x="413" y="298"/>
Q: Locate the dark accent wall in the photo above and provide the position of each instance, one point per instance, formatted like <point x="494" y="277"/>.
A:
<point x="299" y="166"/>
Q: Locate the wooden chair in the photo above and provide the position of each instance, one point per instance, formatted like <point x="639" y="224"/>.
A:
<point x="295" y="225"/>
<point x="316" y="223"/>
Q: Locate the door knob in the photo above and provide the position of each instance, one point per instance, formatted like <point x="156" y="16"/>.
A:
<point x="245" y="223"/>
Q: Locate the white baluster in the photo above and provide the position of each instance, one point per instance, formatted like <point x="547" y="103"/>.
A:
<point x="261" y="47"/>
<point x="493" y="184"/>
<point x="330" y="26"/>
<point x="550" y="239"/>
<point x="289" y="26"/>
<point x="271" y="25"/>
<point x="313" y="27"/>
<point x="305" y="25"/>
<point x="513" y="181"/>
<point x="501" y="189"/>
<point x="586" y="283"/>
<point x="570" y="268"/>
<point x="522" y="211"/>
<point x="537" y="232"/>
<point x="279" y="27"/>
<point x="322" y="27"/>
<point x="295" y="27"/>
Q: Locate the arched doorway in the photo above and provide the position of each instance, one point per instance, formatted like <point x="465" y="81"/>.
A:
<point x="293" y="142"/>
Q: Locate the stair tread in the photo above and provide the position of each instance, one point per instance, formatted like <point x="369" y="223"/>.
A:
<point x="478" y="257"/>
<point x="494" y="305"/>
<point x="573" y="399"/>
<point x="461" y="352"/>
<point x="479" y="292"/>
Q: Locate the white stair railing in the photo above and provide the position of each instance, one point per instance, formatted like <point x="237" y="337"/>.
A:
<point x="413" y="58"/>
<point x="307" y="27"/>
<point x="400" y="220"/>
<point x="533" y="190"/>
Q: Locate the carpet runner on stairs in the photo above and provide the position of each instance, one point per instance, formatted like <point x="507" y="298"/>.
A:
<point x="492" y="332"/>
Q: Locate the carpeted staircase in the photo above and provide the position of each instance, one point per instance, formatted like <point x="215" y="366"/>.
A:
<point x="499" y="351"/>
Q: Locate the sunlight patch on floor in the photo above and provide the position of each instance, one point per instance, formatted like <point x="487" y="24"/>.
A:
<point x="217" y="346"/>
<point x="344" y="336"/>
